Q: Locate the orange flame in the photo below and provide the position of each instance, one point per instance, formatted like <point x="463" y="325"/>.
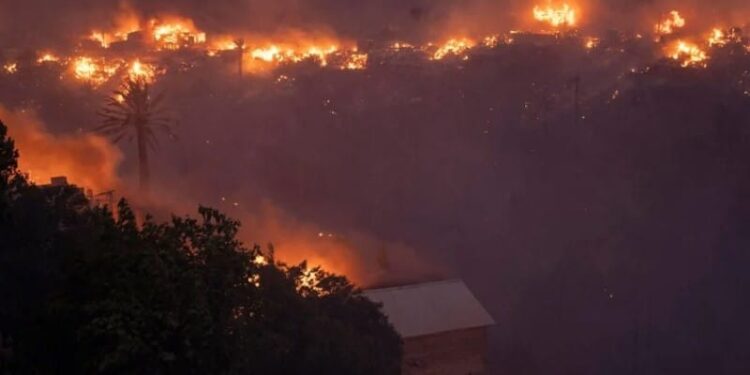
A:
<point x="688" y="54"/>
<point x="591" y="42"/>
<point x="93" y="71"/>
<point x="225" y="43"/>
<point x="564" y="15"/>
<point x="671" y="23"/>
<point x="455" y="46"/>
<point x="106" y="39"/>
<point x="717" y="38"/>
<point x="176" y="33"/>
<point x="398" y="46"/>
<point x="356" y="61"/>
<point x="10" y="68"/>
<point x="491" y="41"/>
<point x="47" y="57"/>
<point x="127" y="22"/>
<point x="273" y="54"/>
<point x="142" y="71"/>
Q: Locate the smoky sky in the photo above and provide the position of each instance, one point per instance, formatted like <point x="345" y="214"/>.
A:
<point x="58" y="20"/>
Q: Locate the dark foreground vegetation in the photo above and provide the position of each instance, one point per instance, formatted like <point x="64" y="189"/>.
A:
<point x="86" y="291"/>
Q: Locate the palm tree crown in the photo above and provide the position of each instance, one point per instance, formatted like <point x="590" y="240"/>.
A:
<point x="131" y="112"/>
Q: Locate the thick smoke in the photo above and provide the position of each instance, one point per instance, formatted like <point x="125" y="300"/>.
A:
<point x="57" y="22"/>
<point x="91" y="161"/>
<point x="345" y="250"/>
<point x="85" y="159"/>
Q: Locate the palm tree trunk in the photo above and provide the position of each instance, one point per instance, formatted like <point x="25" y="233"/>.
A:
<point x="241" y="57"/>
<point x="144" y="175"/>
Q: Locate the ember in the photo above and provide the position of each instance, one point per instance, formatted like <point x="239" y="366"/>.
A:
<point x="10" y="68"/>
<point x="47" y="57"/>
<point x="356" y="61"/>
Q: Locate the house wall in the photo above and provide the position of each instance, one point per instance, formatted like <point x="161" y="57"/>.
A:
<point x="451" y="353"/>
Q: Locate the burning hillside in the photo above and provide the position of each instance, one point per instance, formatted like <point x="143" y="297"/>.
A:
<point x="167" y="47"/>
<point x="106" y="54"/>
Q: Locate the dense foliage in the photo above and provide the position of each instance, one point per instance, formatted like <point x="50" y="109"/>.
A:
<point x="86" y="291"/>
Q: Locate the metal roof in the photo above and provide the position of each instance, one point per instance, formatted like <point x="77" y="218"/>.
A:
<point x="430" y="308"/>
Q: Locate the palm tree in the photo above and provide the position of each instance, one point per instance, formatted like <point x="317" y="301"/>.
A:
<point x="131" y="112"/>
<point x="239" y="43"/>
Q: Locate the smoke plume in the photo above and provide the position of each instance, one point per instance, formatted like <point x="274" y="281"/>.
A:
<point x="86" y="159"/>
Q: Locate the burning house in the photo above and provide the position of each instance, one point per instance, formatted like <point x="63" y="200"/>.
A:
<point x="444" y="327"/>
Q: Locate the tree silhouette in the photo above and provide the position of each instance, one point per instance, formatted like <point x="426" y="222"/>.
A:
<point x="8" y="157"/>
<point x="131" y="112"/>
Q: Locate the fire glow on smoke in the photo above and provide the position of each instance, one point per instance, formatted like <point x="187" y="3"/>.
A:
<point x="149" y="39"/>
<point x="101" y="61"/>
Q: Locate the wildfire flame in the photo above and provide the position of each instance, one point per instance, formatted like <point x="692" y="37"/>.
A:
<point x="142" y="71"/>
<point x="268" y="54"/>
<point x="309" y="278"/>
<point x="106" y="39"/>
<point x="563" y="15"/>
<point x="176" y="33"/>
<point x="356" y="61"/>
<point x="688" y="54"/>
<point x="47" y="57"/>
<point x="85" y="68"/>
<point x="591" y="42"/>
<point x="491" y="41"/>
<point x="100" y="37"/>
<point x="260" y="260"/>
<point x="672" y="22"/>
<point x="717" y="38"/>
<point x="126" y="22"/>
<point x="10" y="68"/>
<point x="259" y="54"/>
<point x="453" y="47"/>
<point x="398" y="46"/>
<point x="278" y="54"/>
<point x="94" y="71"/>
<point x="222" y="44"/>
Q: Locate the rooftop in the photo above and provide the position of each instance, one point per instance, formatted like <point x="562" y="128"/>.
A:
<point x="430" y="308"/>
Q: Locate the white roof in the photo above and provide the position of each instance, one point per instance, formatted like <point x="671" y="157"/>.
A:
<point x="429" y="308"/>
